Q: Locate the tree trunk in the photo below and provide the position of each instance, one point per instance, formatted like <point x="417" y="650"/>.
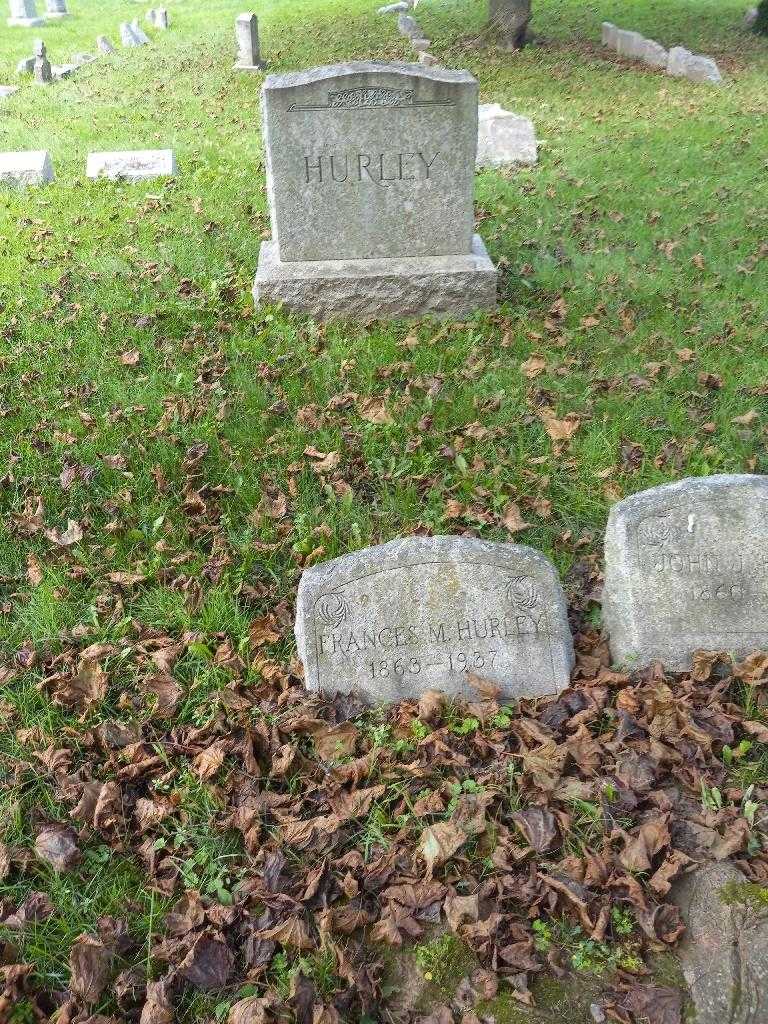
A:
<point x="510" y="18"/>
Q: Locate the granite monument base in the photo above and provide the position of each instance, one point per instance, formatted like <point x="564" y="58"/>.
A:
<point x="386" y="288"/>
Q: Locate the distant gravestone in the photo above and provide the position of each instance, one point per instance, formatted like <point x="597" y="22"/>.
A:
<point x="56" y="9"/>
<point x="17" y="170"/>
<point x="6" y="91"/>
<point x="629" y="44"/>
<point x="248" y="48"/>
<point x="609" y="30"/>
<point x="686" y="568"/>
<point x="654" y="54"/>
<point x="132" y="165"/>
<point x="393" y="621"/>
<point x="127" y="35"/>
<point x="139" y="32"/>
<point x="24" y="14"/>
<point x="42" y="69"/>
<point x="703" y="69"/>
<point x="370" y="175"/>
<point x="104" y="45"/>
<point x="408" y="26"/>
<point x="678" y="61"/>
<point x="504" y="138"/>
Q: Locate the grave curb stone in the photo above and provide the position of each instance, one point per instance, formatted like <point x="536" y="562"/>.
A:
<point x="703" y="70"/>
<point x="504" y="138"/>
<point x="678" y="60"/>
<point x="629" y="44"/>
<point x="428" y="60"/>
<point x="19" y="170"/>
<point x="449" y="576"/>
<point x="636" y="636"/>
<point x="370" y="289"/>
<point x="132" y="165"/>
<point x="608" y="34"/>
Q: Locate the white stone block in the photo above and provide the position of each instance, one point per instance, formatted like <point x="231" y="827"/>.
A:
<point x="654" y="54"/>
<point x="132" y="165"/>
<point x="678" y="61"/>
<point x="504" y="138"/>
<point x="17" y="170"/>
<point x="127" y="35"/>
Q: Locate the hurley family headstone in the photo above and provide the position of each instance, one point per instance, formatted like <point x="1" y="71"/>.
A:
<point x="24" y="14"/>
<point x="370" y="171"/>
<point x="248" y="48"/>
<point x="422" y="613"/>
<point x="686" y="568"/>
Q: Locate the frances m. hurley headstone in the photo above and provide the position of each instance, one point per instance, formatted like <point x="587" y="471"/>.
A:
<point x="393" y="621"/>
<point x="370" y="173"/>
<point x="686" y="569"/>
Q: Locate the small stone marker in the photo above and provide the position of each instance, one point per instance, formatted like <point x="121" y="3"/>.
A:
<point x="127" y="35"/>
<point x="248" y="48"/>
<point x="686" y="568"/>
<point x="504" y="138"/>
<point x="42" y="69"/>
<point x="609" y="31"/>
<point x="17" y="170"/>
<point x="7" y="90"/>
<point x="428" y="60"/>
<point x="678" y="61"/>
<point x="139" y="32"/>
<point x="629" y="44"/>
<point x="408" y="26"/>
<point x="370" y="175"/>
<point x="132" y="165"/>
<point x="104" y="45"/>
<point x="421" y="45"/>
<point x="56" y="9"/>
<point x="24" y="14"/>
<point x="393" y="621"/>
<point x="654" y="54"/>
<point x="703" y="69"/>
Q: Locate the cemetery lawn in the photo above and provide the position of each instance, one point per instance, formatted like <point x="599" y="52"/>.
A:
<point x="171" y="458"/>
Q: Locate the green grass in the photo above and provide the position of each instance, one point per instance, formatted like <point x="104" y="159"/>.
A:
<point x="633" y="261"/>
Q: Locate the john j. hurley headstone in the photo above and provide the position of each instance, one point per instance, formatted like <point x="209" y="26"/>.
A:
<point x="370" y="171"/>
<point x="393" y="621"/>
<point x="686" y="568"/>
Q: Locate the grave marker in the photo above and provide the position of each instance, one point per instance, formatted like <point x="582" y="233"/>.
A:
<point x="132" y="165"/>
<point x="686" y="567"/>
<point x="678" y="61"/>
<point x="370" y="174"/>
<point x="42" y="69"/>
<point x="393" y="621"/>
<point x="104" y="45"/>
<point x="56" y="9"/>
<point x="17" y="170"/>
<point x="504" y="138"/>
<point x="248" y="48"/>
<point x="24" y="14"/>
<point x="654" y="54"/>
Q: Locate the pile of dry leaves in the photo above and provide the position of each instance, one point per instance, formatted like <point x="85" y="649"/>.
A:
<point x="363" y="830"/>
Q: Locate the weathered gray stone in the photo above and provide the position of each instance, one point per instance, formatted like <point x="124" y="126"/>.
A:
<point x="678" y="61"/>
<point x="686" y="568"/>
<point x="104" y="45"/>
<point x="504" y="138"/>
<point x="42" y="68"/>
<point x="629" y="44"/>
<point x="132" y="165"/>
<point x="421" y="45"/>
<point x="397" y="8"/>
<point x="248" y="48"/>
<point x="127" y="35"/>
<point x="24" y="14"/>
<point x="703" y="70"/>
<point x="56" y="9"/>
<point x="368" y="160"/>
<point x="17" y="170"/>
<point x="408" y="26"/>
<point x="608" y="36"/>
<point x="7" y="90"/>
<point x="139" y="32"/>
<point x="655" y="55"/>
<point x="750" y="17"/>
<point x="724" y="952"/>
<point x="422" y="613"/>
<point x="390" y="288"/>
<point x="428" y="60"/>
